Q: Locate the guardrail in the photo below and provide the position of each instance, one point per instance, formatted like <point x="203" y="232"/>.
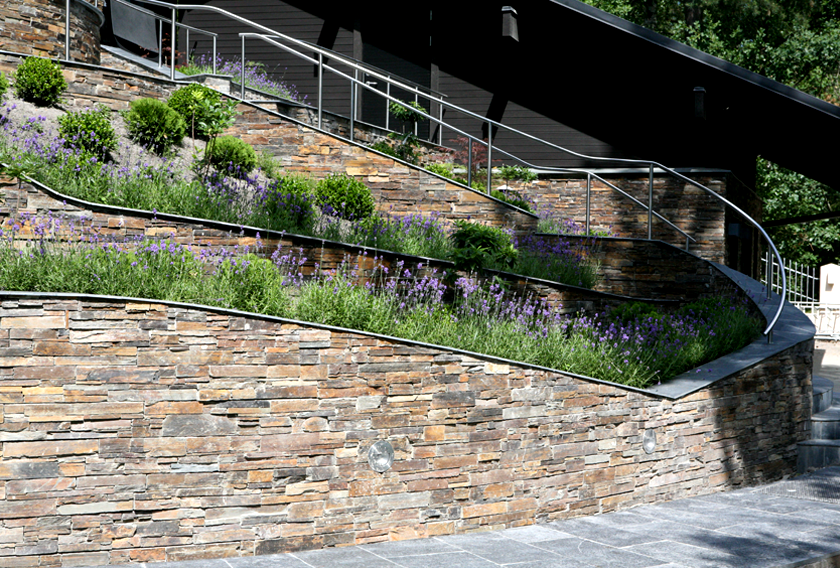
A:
<point x="273" y="37"/>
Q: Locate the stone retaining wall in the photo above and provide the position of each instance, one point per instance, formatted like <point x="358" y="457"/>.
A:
<point x="648" y="270"/>
<point x="396" y="187"/>
<point x="137" y="431"/>
<point x="36" y="27"/>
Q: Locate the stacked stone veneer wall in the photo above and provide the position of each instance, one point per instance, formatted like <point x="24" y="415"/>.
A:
<point x="138" y="431"/>
<point x="651" y="269"/>
<point x="688" y="207"/>
<point x="396" y="187"/>
<point x="638" y="269"/>
<point x="36" y="27"/>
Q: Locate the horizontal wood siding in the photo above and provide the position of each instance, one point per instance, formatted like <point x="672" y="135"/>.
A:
<point x="285" y="19"/>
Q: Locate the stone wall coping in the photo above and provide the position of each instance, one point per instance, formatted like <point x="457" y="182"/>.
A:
<point x="221" y="225"/>
<point x="792" y="328"/>
<point x="271" y="234"/>
<point x="286" y="118"/>
<point x="96" y="11"/>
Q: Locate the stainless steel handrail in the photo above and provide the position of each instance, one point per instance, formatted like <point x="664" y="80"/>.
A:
<point x="164" y="20"/>
<point x="490" y="124"/>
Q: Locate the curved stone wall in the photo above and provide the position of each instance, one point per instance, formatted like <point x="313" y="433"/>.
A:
<point x="36" y="27"/>
<point x="138" y="431"/>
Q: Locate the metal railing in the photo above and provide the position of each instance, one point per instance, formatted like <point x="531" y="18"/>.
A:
<point x="273" y="37"/>
<point x="803" y="281"/>
<point x="825" y="317"/>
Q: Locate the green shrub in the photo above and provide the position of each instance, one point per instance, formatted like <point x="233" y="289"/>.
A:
<point x="4" y="84"/>
<point x="154" y="124"/>
<point x="39" y="81"/>
<point x="345" y="196"/>
<point x="89" y="129"/>
<point x="444" y="170"/>
<point x="632" y="311"/>
<point x="509" y="173"/>
<point x="226" y="151"/>
<point x="191" y="102"/>
<point x="288" y="203"/>
<point x="512" y="199"/>
<point x="481" y="246"/>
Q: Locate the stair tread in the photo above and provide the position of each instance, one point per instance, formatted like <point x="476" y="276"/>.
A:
<point x="827" y="443"/>
<point x="829" y="414"/>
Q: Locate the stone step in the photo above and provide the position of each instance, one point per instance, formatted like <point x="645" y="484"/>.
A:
<point x="823" y="394"/>
<point x="817" y="454"/>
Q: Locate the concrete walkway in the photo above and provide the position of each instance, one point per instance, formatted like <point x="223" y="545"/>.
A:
<point x="785" y="524"/>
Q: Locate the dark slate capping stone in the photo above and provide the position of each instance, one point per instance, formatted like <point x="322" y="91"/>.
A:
<point x="792" y="328"/>
<point x="93" y="9"/>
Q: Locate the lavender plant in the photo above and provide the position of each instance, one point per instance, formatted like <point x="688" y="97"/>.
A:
<point x="400" y="301"/>
<point x="256" y="77"/>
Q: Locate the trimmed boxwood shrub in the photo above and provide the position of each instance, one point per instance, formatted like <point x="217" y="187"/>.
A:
<point x="154" y="124"/>
<point x="226" y="151"/>
<point x="88" y="129"/>
<point x="39" y="81"/>
<point x="186" y="101"/>
<point x="344" y="196"/>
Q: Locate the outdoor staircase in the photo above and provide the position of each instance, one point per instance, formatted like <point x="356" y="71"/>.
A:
<point x="823" y="449"/>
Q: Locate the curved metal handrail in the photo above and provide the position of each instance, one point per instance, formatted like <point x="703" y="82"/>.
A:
<point x="491" y="123"/>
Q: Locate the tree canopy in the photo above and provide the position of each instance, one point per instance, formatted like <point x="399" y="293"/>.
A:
<point x="795" y="42"/>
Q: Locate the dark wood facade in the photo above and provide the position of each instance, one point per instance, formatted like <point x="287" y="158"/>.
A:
<point x="576" y="77"/>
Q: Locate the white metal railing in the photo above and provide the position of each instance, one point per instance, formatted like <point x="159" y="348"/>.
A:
<point x="825" y="317"/>
<point x="803" y="281"/>
<point x="273" y="37"/>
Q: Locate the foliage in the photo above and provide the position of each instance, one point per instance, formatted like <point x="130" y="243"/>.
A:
<point x="256" y="77"/>
<point x="511" y="173"/>
<point x="4" y="84"/>
<point x="154" y="124"/>
<point x="288" y="203"/>
<point x="195" y="104"/>
<point x="462" y="152"/>
<point x="226" y="151"/>
<point x="268" y="165"/>
<point x="478" y="246"/>
<point x="630" y="312"/>
<point x="512" y="199"/>
<point x="558" y="259"/>
<point x="407" y="115"/>
<point x="344" y="196"/>
<point x="39" y="81"/>
<point x="794" y="42"/>
<point x="407" y="302"/>
<point x="814" y="243"/>
<point x="90" y="130"/>
<point x="444" y="170"/>
<point x="402" y="146"/>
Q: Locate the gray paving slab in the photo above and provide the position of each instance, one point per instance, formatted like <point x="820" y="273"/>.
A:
<point x="500" y="550"/>
<point x="448" y="559"/>
<point x="598" y="554"/>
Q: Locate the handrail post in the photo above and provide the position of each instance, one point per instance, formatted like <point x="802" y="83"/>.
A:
<point x="769" y="277"/>
<point x="440" y="126"/>
<point x="387" y="104"/>
<point x="187" y="52"/>
<point x="489" y="155"/>
<point x="214" y="55"/>
<point x="469" y="161"/>
<point x="160" y="44"/>
<point x="320" y="87"/>
<point x="353" y="92"/>
<point x="588" y="197"/>
<point x="242" y="70"/>
<point x="416" y="125"/>
<point x="172" y="48"/>
<point x="67" y="30"/>
<point x="650" y="203"/>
